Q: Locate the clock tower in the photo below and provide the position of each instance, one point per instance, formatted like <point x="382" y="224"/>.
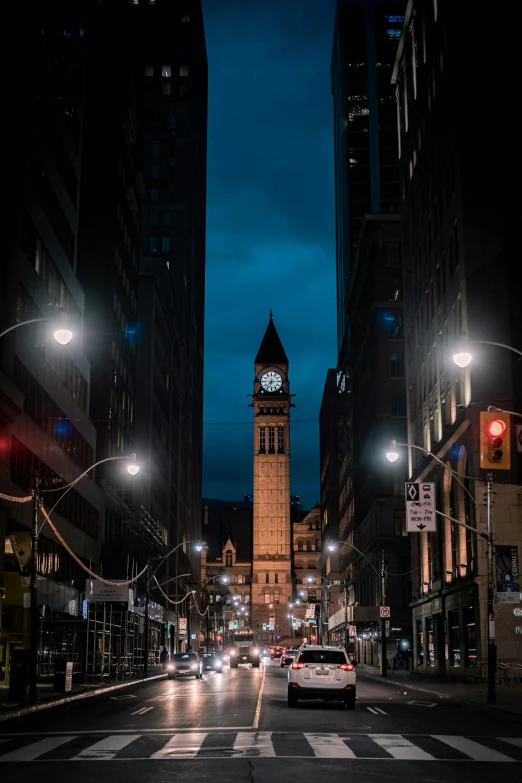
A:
<point x="272" y="566"/>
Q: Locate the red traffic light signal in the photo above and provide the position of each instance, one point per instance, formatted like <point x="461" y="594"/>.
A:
<point x="495" y="440"/>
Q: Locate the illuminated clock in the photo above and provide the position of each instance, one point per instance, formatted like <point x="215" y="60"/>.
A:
<point x="271" y="381"/>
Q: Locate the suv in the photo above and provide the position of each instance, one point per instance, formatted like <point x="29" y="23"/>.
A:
<point x="213" y="662"/>
<point x="321" y="673"/>
<point x="185" y="665"/>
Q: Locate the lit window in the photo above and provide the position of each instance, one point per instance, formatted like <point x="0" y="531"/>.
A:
<point x="149" y="70"/>
<point x="166" y="71"/>
<point x="267" y="597"/>
<point x="154" y="194"/>
<point x="165" y="89"/>
<point x="276" y="596"/>
<point x="228" y="553"/>
<point x="154" y="171"/>
<point x="165" y="244"/>
<point x="153" y="244"/>
<point x="183" y="70"/>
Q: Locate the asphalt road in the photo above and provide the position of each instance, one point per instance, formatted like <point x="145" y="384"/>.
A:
<point x="236" y="726"/>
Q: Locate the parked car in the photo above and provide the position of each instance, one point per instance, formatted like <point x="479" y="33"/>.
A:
<point x="322" y="673"/>
<point x="185" y="665"/>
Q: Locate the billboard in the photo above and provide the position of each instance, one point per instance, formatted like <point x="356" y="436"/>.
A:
<point x="508" y="574"/>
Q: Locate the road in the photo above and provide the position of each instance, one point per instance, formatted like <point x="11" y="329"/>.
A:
<point x="236" y="725"/>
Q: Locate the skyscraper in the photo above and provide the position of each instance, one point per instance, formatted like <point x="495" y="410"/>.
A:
<point x="365" y="125"/>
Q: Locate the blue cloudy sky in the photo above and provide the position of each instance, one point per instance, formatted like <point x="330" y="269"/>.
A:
<point x="270" y="225"/>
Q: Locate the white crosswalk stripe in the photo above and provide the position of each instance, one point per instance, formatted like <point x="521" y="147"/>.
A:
<point x="237" y="744"/>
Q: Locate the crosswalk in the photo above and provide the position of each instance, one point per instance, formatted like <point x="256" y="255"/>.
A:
<point x="240" y="744"/>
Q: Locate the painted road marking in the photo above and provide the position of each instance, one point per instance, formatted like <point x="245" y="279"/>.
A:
<point x="107" y="748"/>
<point x="259" y="700"/>
<point x="382" y="712"/>
<point x="471" y="748"/>
<point x="370" y="709"/>
<point x="516" y="741"/>
<point x="181" y="746"/>
<point x="258" y="743"/>
<point x="35" y="749"/>
<point x="329" y="746"/>
<point x="401" y="748"/>
<point x="142" y="711"/>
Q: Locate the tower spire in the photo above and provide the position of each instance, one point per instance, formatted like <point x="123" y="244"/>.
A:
<point x="271" y="348"/>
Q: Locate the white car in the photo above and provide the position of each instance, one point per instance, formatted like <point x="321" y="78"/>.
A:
<point x="321" y="673"/>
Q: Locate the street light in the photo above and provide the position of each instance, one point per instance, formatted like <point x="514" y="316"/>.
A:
<point x="61" y="335"/>
<point x="463" y="356"/>
<point x="488" y="537"/>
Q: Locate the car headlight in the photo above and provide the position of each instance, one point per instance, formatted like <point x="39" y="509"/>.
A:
<point x="255" y="651"/>
<point x="233" y="652"/>
<point x="194" y="666"/>
<point x="170" y="666"/>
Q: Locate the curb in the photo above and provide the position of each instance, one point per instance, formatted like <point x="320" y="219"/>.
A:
<point x="10" y="714"/>
<point x="386" y="681"/>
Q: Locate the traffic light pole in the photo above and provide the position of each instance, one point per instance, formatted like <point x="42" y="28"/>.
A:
<point x="383" y="620"/>
<point x="33" y="608"/>
<point x="492" y="646"/>
<point x="146" y="623"/>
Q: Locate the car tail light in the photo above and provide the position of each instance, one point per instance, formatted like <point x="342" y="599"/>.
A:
<point x="347" y="667"/>
<point x="298" y="665"/>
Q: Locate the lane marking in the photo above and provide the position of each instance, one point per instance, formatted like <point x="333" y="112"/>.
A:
<point x="381" y="711"/>
<point x="516" y="741"/>
<point x="329" y="746"/>
<point x="259" y="700"/>
<point x="35" y="749"/>
<point x="401" y="748"/>
<point x="142" y="711"/>
<point x="255" y="744"/>
<point x="370" y="709"/>
<point x="181" y="746"/>
<point x="106" y="748"/>
<point x="472" y="749"/>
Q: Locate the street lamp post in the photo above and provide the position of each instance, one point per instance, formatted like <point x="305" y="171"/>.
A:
<point x="392" y="456"/>
<point x="463" y="356"/>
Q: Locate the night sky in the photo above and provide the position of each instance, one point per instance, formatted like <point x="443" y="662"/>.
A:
<point x="270" y="226"/>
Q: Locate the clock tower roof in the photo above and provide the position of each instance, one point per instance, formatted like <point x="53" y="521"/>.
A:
<point x="271" y="349"/>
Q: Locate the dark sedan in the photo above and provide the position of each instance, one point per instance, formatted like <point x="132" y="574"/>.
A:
<point x="212" y="662"/>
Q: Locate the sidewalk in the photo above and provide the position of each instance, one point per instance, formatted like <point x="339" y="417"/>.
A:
<point x="509" y="698"/>
<point x="47" y="697"/>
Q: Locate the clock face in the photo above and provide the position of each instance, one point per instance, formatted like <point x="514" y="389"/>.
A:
<point x="271" y="381"/>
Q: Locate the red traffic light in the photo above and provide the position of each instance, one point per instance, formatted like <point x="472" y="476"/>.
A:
<point x="496" y="428"/>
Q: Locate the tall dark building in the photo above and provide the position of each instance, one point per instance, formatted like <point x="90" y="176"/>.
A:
<point x="44" y="387"/>
<point x="365" y="125"/>
<point x="460" y="230"/>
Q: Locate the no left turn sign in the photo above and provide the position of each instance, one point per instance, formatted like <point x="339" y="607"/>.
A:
<point x="384" y="611"/>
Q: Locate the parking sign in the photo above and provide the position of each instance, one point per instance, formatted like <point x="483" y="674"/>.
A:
<point x="420" y="507"/>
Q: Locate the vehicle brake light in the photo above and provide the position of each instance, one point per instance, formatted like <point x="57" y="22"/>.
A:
<point x="298" y="665"/>
<point x="347" y="667"/>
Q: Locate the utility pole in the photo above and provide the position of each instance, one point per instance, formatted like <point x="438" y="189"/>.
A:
<point x="383" y="621"/>
<point x="33" y="608"/>
<point x="346" y="635"/>
<point x="492" y="646"/>
<point x="146" y="621"/>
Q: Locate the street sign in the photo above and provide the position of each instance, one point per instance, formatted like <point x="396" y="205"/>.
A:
<point x="420" y="507"/>
<point x="310" y="611"/>
<point x="384" y="611"/>
<point x="182" y="623"/>
<point x="352" y="630"/>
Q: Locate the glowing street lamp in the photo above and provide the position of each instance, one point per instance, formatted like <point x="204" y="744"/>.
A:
<point x="463" y="355"/>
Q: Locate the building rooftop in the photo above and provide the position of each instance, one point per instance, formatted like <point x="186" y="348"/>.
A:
<point x="271" y="348"/>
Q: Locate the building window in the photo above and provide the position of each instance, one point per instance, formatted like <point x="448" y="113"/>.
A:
<point x="166" y="71"/>
<point x="400" y="522"/>
<point x="165" y="244"/>
<point x="420" y="643"/>
<point x="165" y="218"/>
<point x="154" y="194"/>
<point x="154" y="171"/>
<point x="271" y="440"/>
<point x="153" y="244"/>
<point x="267" y="597"/>
<point x="280" y="440"/>
<point x="149" y="70"/>
<point x="267" y="578"/>
<point x="471" y="636"/>
<point x="155" y="147"/>
<point x="430" y="631"/>
<point x="183" y="70"/>
<point x="228" y="558"/>
<point x="398" y="404"/>
<point x="262" y="440"/>
<point x="165" y="89"/>
<point x="454" y="634"/>
<point x="276" y="596"/>
<point x="300" y="546"/>
<point x="317" y="545"/>
<point x="276" y="577"/>
<point x="396" y="365"/>
<point x="309" y="546"/>
<point x="153" y="218"/>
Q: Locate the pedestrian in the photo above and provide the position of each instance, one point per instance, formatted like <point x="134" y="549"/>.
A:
<point x="164" y="657"/>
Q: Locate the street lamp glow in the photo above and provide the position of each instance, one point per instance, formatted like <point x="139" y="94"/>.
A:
<point x="133" y="469"/>
<point x="63" y="336"/>
<point x="462" y="359"/>
<point x="224" y="579"/>
<point x="331" y="547"/>
<point x="301" y="593"/>
<point x="310" y="579"/>
<point x="392" y="456"/>
<point x="199" y="547"/>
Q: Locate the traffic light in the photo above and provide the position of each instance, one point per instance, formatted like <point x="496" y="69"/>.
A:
<point x="495" y="440"/>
